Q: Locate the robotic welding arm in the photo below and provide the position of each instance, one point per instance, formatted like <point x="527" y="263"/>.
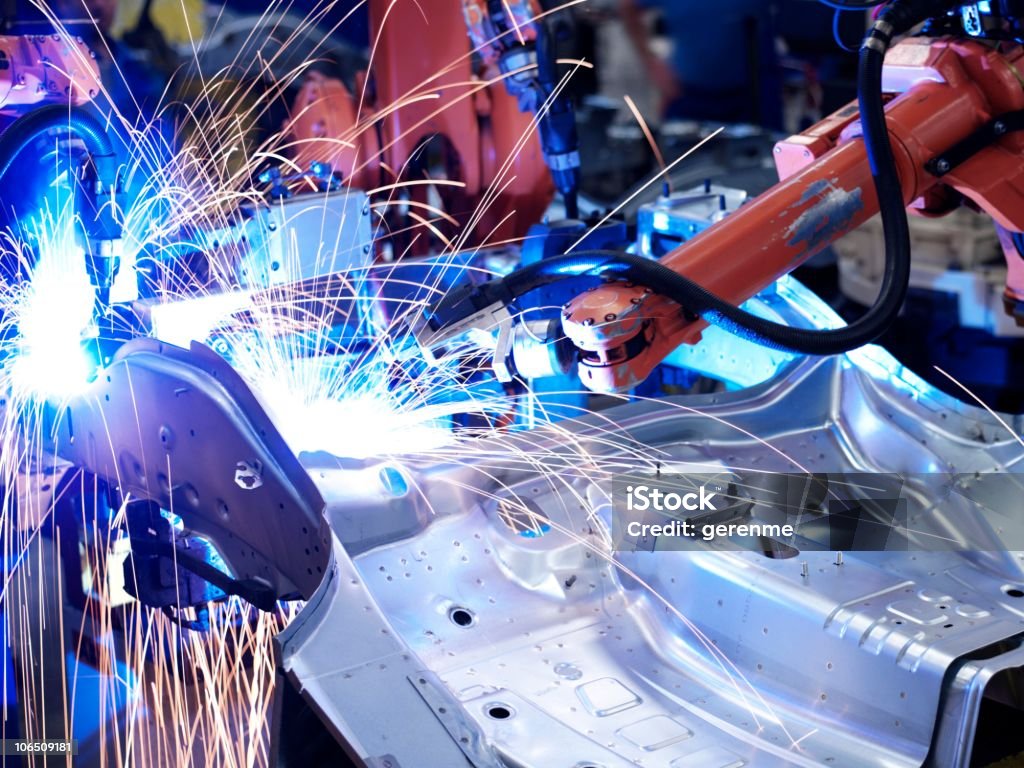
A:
<point x="48" y="79"/>
<point x="517" y="40"/>
<point x="948" y="132"/>
<point x="946" y="91"/>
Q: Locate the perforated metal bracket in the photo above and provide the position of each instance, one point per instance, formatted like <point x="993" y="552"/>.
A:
<point x="175" y="426"/>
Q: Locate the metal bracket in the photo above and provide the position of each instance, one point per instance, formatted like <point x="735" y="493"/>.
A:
<point x="181" y="428"/>
<point x="964" y="150"/>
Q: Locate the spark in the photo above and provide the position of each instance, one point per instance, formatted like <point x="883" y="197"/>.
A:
<point x="52" y="314"/>
<point x="984" y="405"/>
<point x="512" y="17"/>
<point x="186" y="697"/>
<point x="650" y="139"/>
<point x="644" y="186"/>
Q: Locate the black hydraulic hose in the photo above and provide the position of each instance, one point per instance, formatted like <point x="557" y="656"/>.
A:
<point x="20" y="134"/>
<point x="699" y="302"/>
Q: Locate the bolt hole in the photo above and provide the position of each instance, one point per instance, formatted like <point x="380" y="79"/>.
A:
<point x="499" y="712"/>
<point x="462" y="617"/>
<point x="1014" y="592"/>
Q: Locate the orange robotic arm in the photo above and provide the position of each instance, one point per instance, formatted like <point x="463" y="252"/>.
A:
<point x="45" y="68"/>
<point x="951" y="95"/>
<point x="425" y="110"/>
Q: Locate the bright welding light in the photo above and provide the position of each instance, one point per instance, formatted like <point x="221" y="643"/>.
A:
<point x="53" y="312"/>
<point x="194" y="319"/>
<point x="355" y="413"/>
<point x="354" y="405"/>
<point x="59" y="371"/>
<point x="358" y="427"/>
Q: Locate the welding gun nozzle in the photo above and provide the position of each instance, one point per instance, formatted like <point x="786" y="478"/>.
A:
<point x="102" y="262"/>
<point x="540" y="350"/>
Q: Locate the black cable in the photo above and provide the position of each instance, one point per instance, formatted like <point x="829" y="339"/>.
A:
<point x="700" y="302"/>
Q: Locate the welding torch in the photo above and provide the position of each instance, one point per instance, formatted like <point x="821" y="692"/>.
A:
<point x="483" y="316"/>
<point x="99" y="191"/>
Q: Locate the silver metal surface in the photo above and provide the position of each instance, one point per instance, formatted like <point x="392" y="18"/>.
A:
<point x="297" y="238"/>
<point x="446" y="630"/>
<point x="672" y="658"/>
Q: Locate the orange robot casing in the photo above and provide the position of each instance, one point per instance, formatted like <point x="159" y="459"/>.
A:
<point x="427" y="91"/>
<point x="945" y="91"/>
<point x="45" y="68"/>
